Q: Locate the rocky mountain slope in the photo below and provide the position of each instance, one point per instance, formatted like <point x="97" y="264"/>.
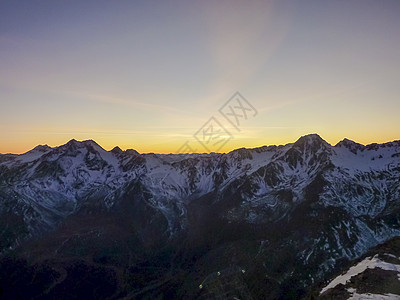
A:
<point x="373" y="276"/>
<point x="289" y="216"/>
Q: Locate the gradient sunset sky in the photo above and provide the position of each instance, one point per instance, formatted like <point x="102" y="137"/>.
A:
<point x="148" y="75"/>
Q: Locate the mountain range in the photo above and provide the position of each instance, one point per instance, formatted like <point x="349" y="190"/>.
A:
<point x="274" y="222"/>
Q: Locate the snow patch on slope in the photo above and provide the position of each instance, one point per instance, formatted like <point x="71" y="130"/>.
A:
<point x="369" y="296"/>
<point x="368" y="263"/>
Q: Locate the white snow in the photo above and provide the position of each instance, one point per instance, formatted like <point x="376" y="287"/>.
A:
<point x="30" y="156"/>
<point x="368" y="263"/>
<point x="367" y="296"/>
<point x="171" y="182"/>
<point x="373" y="296"/>
<point x="364" y="161"/>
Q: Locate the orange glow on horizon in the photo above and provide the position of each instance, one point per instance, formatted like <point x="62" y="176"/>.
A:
<point x="166" y="147"/>
<point x="150" y="78"/>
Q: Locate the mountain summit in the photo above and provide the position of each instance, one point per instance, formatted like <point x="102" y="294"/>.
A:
<point x="288" y="215"/>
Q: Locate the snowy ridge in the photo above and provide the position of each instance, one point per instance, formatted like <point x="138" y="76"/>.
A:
<point x="370" y="296"/>
<point x="368" y="263"/>
<point x="307" y="203"/>
<point x="47" y="184"/>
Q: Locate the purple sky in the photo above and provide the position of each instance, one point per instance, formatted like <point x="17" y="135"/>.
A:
<point x="148" y="74"/>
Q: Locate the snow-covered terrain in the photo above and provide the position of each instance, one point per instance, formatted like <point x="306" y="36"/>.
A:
<point x="308" y="204"/>
<point x="370" y="296"/>
<point x="51" y="183"/>
<point x="368" y="263"/>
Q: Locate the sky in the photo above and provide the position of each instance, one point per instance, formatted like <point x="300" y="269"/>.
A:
<point x="162" y="76"/>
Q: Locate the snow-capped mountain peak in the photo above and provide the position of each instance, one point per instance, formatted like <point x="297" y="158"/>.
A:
<point x="307" y="201"/>
<point x="351" y="145"/>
